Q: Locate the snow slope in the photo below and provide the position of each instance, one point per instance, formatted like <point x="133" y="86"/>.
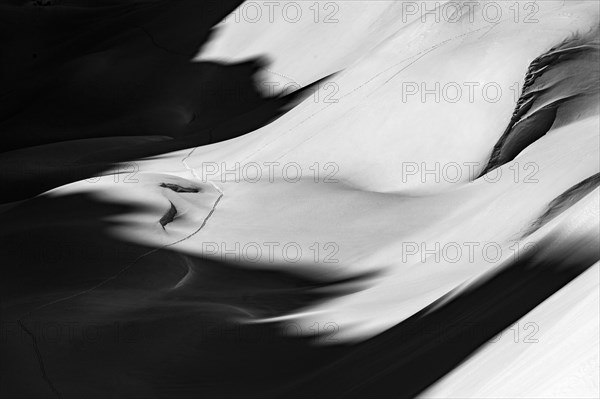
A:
<point x="369" y="178"/>
<point x="374" y="208"/>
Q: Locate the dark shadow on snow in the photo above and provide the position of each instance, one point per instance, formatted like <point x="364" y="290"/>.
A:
<point x="86" y="84"/>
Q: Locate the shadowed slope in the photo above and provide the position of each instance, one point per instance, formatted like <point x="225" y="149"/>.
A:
<point x="155" y="311"/>
<point x="174" y="325"/>
<point x="89" y="84"/>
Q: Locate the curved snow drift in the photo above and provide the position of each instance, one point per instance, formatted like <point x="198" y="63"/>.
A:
<point x="407" y="271"/>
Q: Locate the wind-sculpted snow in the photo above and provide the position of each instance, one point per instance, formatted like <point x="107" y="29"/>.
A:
<point x="222" y="208"/>
<point x="552" y="95"/>
<point x="566" y="200"/>
<point x="169" y="216"/>
<point x="179" y="189"/>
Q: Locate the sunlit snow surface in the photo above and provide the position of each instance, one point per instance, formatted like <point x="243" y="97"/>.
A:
<point x="367" y="177"/>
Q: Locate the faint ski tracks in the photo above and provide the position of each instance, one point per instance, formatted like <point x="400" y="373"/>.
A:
<point x="418" y="56"/>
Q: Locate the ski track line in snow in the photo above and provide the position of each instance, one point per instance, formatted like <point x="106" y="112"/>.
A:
<point x="418" y="56"/>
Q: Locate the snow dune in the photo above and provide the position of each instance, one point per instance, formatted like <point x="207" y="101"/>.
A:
<point x="371" y="139"/>
<point x="381" y="204"/>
